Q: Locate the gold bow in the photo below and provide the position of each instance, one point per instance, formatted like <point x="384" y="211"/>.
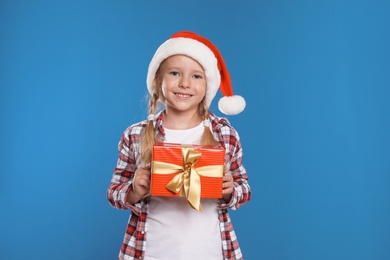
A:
<point x="187" y="179"/>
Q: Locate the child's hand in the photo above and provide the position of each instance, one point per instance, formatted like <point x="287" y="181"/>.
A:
<point x="141" y="184"/>
<point x="227" y="188"/>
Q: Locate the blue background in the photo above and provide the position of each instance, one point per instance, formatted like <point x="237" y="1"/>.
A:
<point x="315" y="75"/>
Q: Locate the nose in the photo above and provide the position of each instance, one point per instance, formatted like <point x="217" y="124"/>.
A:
<point x="184" y="82"/>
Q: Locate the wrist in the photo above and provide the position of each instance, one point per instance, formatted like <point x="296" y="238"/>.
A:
<point x="132" y="196"/>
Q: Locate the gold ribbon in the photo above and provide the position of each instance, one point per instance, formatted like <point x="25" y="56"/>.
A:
<point x="187" y="178"/>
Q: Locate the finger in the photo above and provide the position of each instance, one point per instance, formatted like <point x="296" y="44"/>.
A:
<point x="224" y="192"/>
<point x="227" y="189"/>
<point x="142" y="174"/>
<point x="146" y="166"/>
<point x="143" y="180"/>
<point x="147" y="173"/>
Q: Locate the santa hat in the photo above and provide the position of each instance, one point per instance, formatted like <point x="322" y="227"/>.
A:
<point x="207" y="54"/>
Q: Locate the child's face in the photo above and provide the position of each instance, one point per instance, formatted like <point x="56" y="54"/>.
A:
<point x="183" y="84"/>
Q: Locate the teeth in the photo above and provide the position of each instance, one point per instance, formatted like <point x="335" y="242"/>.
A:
<point x="182" y="95"/>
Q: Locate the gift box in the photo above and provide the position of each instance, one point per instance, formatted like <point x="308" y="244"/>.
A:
<point x="190" y="171"/>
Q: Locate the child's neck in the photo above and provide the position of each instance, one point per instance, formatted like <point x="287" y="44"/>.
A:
<point x="181" y="122"/>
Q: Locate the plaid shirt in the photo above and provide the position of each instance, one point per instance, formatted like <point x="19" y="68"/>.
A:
<point x="133" y="246"/>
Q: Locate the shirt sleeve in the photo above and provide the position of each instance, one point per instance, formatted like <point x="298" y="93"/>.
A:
<point x="234" y="162"/>
<point x="122" y="178"/>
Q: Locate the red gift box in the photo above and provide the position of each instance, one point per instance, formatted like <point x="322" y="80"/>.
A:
<point x="182" y="170"/>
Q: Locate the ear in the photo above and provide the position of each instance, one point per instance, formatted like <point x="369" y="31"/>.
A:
<point x="158" y="78"/>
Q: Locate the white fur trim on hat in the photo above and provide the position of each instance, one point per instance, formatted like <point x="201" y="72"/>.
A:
<point x="194" y="49"/>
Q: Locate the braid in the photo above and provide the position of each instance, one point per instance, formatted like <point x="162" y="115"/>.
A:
<point x="148" y="136"/>
<point x="207" y="136"/>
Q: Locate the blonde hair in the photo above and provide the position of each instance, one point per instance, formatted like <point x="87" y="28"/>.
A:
<point x="148" y="135"/>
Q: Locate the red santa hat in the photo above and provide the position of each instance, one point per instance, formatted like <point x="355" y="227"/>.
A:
<point x="207" y="54"/>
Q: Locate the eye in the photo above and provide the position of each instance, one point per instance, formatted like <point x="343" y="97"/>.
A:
<point x="198" y="76"/>
<point x="174" y="73"/>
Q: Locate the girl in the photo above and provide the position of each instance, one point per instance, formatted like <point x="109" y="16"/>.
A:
<point x="184" y="75"/>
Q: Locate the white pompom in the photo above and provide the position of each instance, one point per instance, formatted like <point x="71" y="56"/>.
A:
<point x="231" y="105"/>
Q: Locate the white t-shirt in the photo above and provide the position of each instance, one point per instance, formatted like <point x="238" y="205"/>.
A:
<point x="174" y="229"/>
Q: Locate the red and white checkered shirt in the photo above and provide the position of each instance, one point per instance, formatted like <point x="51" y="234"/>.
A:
<point x="135" y="239"/>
